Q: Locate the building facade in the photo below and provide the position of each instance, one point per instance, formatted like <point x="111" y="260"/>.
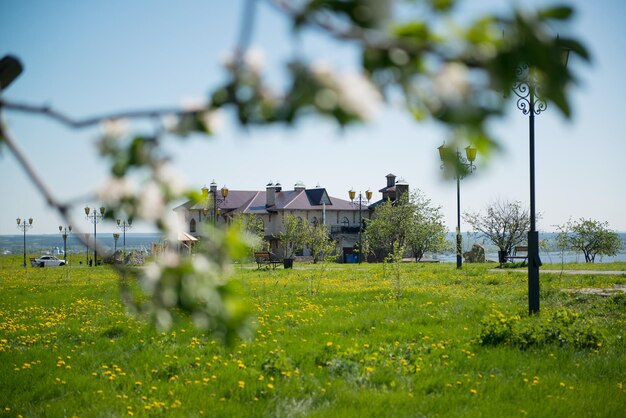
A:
<point x="274" y="203"/>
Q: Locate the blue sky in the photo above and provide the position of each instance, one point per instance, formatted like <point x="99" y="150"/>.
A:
<point x="86" y="58"/>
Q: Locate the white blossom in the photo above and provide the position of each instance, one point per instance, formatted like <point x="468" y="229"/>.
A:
<point x="151" y="202"/>
<point x="192" y="103"/>
<point x="115" y="189"/>
<point x="359" y="96"/>
<point x="352" y="91"/>
<point x="253" y="59"/>
<point x="324" y="73"/>
<point x="166" y="174"/>
<point x="213" y="119"/>
<point x="452" y="82"/>
<point x="169" y="258"/>
<point x="172" y="225"/>
<point x="171" y="122"/>
<point x="115" y="127"/>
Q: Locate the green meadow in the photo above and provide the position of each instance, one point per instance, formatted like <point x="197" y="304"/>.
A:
<point x="341" y="340"/>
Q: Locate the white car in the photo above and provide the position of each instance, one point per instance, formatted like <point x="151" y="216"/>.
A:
<point x="48" y="261"/>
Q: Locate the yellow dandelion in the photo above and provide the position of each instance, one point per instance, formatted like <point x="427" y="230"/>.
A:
<point x="270" y="386"/>
<point x="242" y="384"/>
<point x="329" y="344"/>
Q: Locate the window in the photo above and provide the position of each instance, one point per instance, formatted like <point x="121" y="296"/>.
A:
<point x="345" y="221"/>
<point x="314" y="221"/>
<point x="192" y="226"/>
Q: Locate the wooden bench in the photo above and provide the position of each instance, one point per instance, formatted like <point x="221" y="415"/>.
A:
<point x="265" y="259"/>
<point x="517" y="256"/>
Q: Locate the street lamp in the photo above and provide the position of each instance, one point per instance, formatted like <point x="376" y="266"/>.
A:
<point x="94" y="218"/>
<point x="368" y="196"/>
<point x="116" y="236"/>
<point x="217" y="200"/>
<point x="24" y="226"/>
<point x="467" y="163"/>
<point x="124" y="225"/>
<point x="527" y="88"/>
<point x="64" y="233"/>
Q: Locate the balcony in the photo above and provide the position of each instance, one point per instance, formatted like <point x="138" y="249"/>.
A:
<point x="340" y="229"/>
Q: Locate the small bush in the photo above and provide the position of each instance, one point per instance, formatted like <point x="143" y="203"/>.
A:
<point x="563" y="327"/>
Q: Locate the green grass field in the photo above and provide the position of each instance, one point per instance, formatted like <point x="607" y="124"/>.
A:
<point x="349" y="340"/>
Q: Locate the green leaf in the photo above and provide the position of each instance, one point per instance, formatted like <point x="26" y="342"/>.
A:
<point x="415" y="30"/>
<point x="442" y="5"/>
<point x="557" y="12"/>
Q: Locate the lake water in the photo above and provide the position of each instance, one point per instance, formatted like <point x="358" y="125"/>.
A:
<point x="551" y="256"/>
<point x="53" y="244"/>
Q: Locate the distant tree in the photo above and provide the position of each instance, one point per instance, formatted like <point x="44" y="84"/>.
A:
<point x="590" y="236"/>
<point x="293" y="236"/>
<point x="320" y="243"/>
<point x="503" y="223"/>
<point x="389" y="229"/>
<point x="253" y="225"/>
<point x="428" y="232"/>
<point x="410" y="223"/>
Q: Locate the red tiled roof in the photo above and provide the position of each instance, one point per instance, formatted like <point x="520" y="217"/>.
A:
<point x="249" y="201"/>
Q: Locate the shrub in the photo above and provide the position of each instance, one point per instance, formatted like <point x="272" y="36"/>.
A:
<point x="562" y="327"/>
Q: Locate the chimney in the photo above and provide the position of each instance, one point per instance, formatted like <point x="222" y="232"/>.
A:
<point x="391" y="180"/>
<point x="299" y="186"/>
<point x="270" y="195"/>
<point x="278" y="187"/>
<point x="402" y="188"/>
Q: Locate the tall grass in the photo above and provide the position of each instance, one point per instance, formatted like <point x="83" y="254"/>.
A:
<point x="347" y="344"/>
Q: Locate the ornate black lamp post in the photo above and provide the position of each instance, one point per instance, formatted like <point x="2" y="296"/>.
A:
<point x="468" y="163"/>
<point x="24" y="226"/>
<point x="94" y="218"/>
<point x="527" y="88"/>
<point x="217" y="200"/>
<point x="124" y="225"/>
<point x="368" y="196"/>
<point x="116" y="236"/>
<point x="64" y="233"/>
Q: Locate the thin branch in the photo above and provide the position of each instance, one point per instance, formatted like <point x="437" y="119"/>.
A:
<point x="28" y="168"/>
<point x="30" y="172"/>
<point x="246" y="29"/>
<point x="367" y="38"/>
<point x="96" y="120"/>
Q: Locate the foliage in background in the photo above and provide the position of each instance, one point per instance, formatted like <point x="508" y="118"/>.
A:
<point x="428" y="232"/>
<point x="589" y="236"/>
<point x="504" y="223"/>
<point x="323" y="247"/>
<point x="411" y="223"/>
<point x="293" y="235"/>
<point x="253" y="225"/>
